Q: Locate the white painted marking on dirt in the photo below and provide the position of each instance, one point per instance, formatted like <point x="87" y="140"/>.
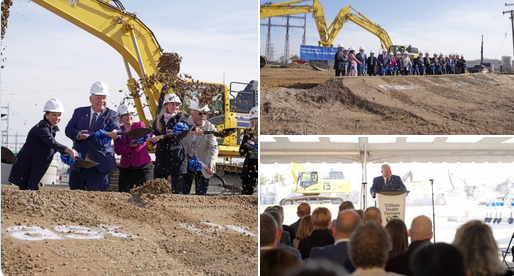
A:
<point x="113" y="231"/>
<point x="214" y="226"/>
<point x="193" y="229"/>
<point x="397" y="87"/>
<point x="79" y="232"/>
<point x="240" y="230"/>
<point x="32" y="233"/>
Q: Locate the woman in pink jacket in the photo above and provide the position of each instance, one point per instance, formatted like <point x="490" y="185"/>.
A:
<point x="354" y="62"/>
<point x="135" y="164"/>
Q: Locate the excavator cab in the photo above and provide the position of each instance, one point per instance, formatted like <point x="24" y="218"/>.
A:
<point x="307" y="179"/>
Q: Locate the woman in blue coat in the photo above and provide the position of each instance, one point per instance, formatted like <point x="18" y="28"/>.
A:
<point x="38" y="151"/>
<point x="170" y="156"/>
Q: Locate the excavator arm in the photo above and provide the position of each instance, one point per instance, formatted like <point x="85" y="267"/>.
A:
<point x="122" y="30"/>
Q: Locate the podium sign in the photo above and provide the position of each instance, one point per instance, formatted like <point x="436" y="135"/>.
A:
<point x="391" y="205"/>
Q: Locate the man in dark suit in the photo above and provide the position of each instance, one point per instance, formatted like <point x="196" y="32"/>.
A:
<point x="346" y="222"/>
<point x="338" y="60"/>
<point x="420" y="234"/>
<point x="362" y="57"/>
<point x="278" y="219"/>
<point x="93" y="118"/>
<point x="383" y="62"/>
<point x="302" y="210"/>
<point x="387" y="182"/>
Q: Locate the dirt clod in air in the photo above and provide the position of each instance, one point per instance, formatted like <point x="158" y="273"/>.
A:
<point x="156" y="187"/>
<point x="6" y="4"/>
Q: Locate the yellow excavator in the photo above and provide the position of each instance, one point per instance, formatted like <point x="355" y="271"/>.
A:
<point x="310" y="186"/>
<point x="135" y="42"/>
<point x="328" y="34"/>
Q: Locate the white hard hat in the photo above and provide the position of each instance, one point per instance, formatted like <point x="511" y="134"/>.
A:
<point x="340" y="45"/>
<point x="53" y="105"/>
<point x="391" y="54"/>
<point x="254" y="113"/>
<point x="172" y="98"/>
<point x="420" y="53"/>
<point x="361" y="48"/>
<point x="427" y="53"/>
<point x="435" y="54"/>
<point x="441" y="53"/>
<point x="372" y="52"/>
<point x="99" y="88"/>
<point x="405" y="53"/>
<point x="398" y="53"/>
<point x="351" y="49"/>
<point x="345" y="49"/>
<point x="384" y="50"/>
<point x="125" y="109"/>
<point x="195" y="105"/>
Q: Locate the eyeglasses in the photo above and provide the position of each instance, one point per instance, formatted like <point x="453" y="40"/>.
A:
<point x="202" y="113"/>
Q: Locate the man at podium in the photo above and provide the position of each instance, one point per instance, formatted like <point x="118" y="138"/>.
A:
<point x="387" y="182"/>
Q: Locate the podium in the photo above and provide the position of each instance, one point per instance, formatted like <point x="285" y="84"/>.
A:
<point x="391" y="205"/>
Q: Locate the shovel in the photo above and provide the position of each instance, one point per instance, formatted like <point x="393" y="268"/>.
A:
<point x="173" y="136"/>
<point x="134" y="134"/>
<point x="223" y="133"/>
<point x="510" y="220"/>
<point x="8" y="156"/>
<point x="86" y="164"/>
<point x="485" y="219"/>
<point x="495" y="218"/>
<point x="499" y="219"/>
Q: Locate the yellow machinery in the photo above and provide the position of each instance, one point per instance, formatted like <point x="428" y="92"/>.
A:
<point x="311" y="186"/>
<point x="328" y="34"/>
<point x="136" y="43"/>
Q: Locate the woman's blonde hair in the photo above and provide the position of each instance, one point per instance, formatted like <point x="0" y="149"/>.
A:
<point x="305" y="228"/>
<point x="476" y="242"/>
<point x="164" y="109"/>
<point x="321" y="218"/>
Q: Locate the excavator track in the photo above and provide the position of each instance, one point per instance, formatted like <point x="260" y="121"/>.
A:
<point x="299" y="199"/>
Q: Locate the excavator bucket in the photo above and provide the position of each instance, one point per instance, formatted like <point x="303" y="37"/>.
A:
<point x="320" y="65"/>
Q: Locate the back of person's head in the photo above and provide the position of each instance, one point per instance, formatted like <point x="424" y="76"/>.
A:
<point x="277" y="217"/>
<point x="320" y="267"/>
<point x="275" y="262"/>
<point x="268" y="229"/>
<point x="305" y="228"/>
<point x="321" y="218"/>
<point x="439" y="259"/>
<point x="369" y="246"/>
<point x="275" y="209"/>
<point x="346" y="205"/>
<point x="346" y="222"/>
<point x="476" y="242"/>
<point x="361" y="213"/>
<point x="372" y="214"/>
<point x="280" y="209"/>
<point x="421" y="228"/>
<point x="303" y="209"/>
<point x="399" y="236"/>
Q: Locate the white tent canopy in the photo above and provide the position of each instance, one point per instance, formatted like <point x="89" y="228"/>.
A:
<point x="392" y="149"/>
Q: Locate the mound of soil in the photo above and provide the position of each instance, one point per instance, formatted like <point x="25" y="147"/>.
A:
<point x="317" y="103"/>
<point x="156" y="187"/>
<point x="63" y="232"/>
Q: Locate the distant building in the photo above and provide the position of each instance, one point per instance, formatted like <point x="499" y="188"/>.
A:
<point x="496" y="64"/>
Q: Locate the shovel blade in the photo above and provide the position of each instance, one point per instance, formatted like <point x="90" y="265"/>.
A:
<point x="510" y="220"/>
<point x="86" y="164"/>
<point x="8" y="156"/>
<point x="136" y="133"/>
<point x="225" y="132"/>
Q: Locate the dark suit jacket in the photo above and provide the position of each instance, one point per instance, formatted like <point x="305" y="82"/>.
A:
<point x="317" y="238"/>
<point x="395" y="185"/>
<point x="338" y="60"/>
<point x="291" y="232"/>
<point x="101" y="153"/>
<point x="295" y="227"/>
<point x="335" y="253"/>
<point x="400" y="263"/>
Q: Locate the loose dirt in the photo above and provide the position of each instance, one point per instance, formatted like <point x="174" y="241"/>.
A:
<point x="303" y="101"/>
<point x="6" y="5"/>
<point x="63" y="232"/>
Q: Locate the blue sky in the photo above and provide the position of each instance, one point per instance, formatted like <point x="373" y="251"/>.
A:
<point x="46" y="56"/>
<point x="436" y="26"/>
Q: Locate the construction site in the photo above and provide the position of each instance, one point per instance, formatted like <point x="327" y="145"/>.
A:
<point x="301" y="96"/>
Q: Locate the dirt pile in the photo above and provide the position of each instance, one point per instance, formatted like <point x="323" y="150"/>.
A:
<point x="321" y="104"/>
<point x="6" y="5"/>
<point x="63" y="232"/>
<point x="156" y="187"/>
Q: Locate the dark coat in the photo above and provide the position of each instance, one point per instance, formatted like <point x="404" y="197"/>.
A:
<point x="337" y="253"/>
<point x="170" y="155"/>
<point x="250" y="165"/>
<point x="400" y="263"/>
<point x="101" y="153"/>
<point x="379" y="185"/>
<point x="317" y="238"/>
<point x="35" y="156"/>
<point x="338" y="60"/>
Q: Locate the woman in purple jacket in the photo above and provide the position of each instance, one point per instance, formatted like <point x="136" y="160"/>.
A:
<point x="135" y="164"/>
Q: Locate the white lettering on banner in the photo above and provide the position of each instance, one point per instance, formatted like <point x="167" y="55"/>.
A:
<point x="37" y="233"/>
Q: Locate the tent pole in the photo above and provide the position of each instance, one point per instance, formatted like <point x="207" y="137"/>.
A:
<point x="433" y="205"/>
<point x="364" y="160"/>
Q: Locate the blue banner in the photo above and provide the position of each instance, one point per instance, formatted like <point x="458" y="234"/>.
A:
<point x="317" y="53"/>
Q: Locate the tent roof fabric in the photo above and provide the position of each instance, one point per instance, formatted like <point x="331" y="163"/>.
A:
<point x="437" y="149"/>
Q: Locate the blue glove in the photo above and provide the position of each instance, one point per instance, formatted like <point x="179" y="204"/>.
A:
<point x="452" y="66"/>
<point x="383" y="71"/>
<point x="179" y="127"/>
<point x="361" y="69"/>
<point x="433" y="68"/>
<point x="411" y="69"/>
<point x="195" y="165"/>
<point x="352" y="67"/>
<point x="66" y="158"/>
<point x="424" y="68"/>
<point x="140" y="141"/>
<point x="256" y="148"/>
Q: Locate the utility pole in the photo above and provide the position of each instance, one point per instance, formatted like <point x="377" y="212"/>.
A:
<point x="482" y="51"/>
<point x="512" y="22"/>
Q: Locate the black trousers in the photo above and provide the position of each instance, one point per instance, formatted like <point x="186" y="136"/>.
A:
<point x="134" y="176"/>
<point x="177" y="181"/>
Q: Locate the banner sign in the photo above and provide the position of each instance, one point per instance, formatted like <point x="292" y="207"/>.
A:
<point x="308" y="52"/>
<point x="391" y="206"/>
